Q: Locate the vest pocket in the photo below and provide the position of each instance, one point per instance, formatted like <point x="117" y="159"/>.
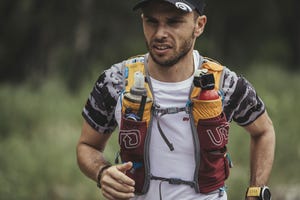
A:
<point x="213" y="133"/>
<point x="212" y="129"/>
<point x="206" y="109"/>
<point x="132" y="134"/>
<point x="132" y="109"/>
<point x="131" y="140"/>
<point x="213" y="171"/>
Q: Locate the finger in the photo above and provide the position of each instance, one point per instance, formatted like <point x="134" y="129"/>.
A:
<point x="109" y="181"/>
<point x="111" y="193"/>
<point x="107" y="195"/>
<point x="119" y="176"/>
<point x="125" y="166"/>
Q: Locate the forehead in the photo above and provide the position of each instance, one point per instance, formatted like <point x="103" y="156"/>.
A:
<point x="162" y="8"/>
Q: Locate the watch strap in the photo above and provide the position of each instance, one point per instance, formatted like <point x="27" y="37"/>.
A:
<point x="253" y="192"/>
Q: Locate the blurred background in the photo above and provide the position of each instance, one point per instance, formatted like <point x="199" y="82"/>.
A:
<point x="51" y="53"/>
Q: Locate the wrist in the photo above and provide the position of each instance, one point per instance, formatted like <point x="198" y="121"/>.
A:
<point x="100" y="173"/>
<point x="258" y="193"/>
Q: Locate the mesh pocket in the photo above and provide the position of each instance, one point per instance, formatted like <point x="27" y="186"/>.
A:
<point x="213" y="132"/>
<point x="206" y="109"/>
<point x="131" y="140"/>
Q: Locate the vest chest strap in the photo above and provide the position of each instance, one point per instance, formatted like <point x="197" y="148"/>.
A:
<point x="160" y="112"/>
<point x="173" y="181"/>
<point x="169" y="110"/>
<point x="157" y="111"/>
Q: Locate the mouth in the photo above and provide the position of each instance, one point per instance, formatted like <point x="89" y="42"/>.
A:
<point x="161" y="48"/>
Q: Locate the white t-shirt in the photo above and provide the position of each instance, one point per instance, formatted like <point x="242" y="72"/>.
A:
<point x="179" y="163"/>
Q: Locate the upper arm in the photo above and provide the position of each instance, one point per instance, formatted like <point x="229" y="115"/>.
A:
<point x="241" y="102"/>
<point x="91" y="137"/>
<point x="99" y="110"/>
<point x="260" y="126"/>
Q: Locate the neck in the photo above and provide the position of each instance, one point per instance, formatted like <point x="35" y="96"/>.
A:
<point x="180" y="71"/>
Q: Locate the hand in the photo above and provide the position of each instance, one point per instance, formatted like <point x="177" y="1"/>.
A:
<point x="115" y="184"/>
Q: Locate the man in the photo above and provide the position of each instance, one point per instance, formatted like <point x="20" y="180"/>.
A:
<point x="171" y="28"/>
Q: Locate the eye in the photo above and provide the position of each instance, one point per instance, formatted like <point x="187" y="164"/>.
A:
<point x="174" y="22"/>
<point x="151" y="21"/>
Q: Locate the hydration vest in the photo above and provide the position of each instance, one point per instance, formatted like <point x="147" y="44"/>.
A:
<point x="209" y="131"/>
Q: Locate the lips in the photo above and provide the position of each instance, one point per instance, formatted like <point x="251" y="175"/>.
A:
<point x="161" y="48"/>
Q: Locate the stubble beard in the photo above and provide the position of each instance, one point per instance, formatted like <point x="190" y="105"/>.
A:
<point x="177" y="55"/>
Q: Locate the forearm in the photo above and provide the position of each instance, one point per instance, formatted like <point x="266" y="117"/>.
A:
<point x="262" y="156"/>
<point x="90" y="160"/>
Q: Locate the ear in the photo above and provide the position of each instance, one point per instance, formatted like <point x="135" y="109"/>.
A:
<point x="200" y="25"/>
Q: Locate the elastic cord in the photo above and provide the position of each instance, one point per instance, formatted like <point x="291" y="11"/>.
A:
<point x="160" y="113"/>
<point x="160" y="195"/>
<point x="170" y="145"/>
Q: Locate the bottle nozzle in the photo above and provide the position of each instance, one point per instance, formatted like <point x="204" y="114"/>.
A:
<point x="207" y="82"/>
<point x="204" y="80"/>
<point x="138" y="87"/>
<point x="139" y="80"/>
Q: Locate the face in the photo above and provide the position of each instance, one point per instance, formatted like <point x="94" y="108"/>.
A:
<point x="169" y="32"/>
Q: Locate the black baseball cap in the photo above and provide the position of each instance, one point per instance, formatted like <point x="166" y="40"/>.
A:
<point x="185" y="5"/>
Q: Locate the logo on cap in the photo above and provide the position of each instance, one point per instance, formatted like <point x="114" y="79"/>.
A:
<point x="183" y="6"/>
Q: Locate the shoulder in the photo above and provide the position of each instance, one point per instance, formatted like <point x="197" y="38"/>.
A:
<point x="113" y="78"/>
<point x="215" y="68"/>
<point x="212" y="65"/>
<point x="135" y="59"/>
<point x="112" y="74"/>
<point x="241" y="101"/>
<point x="224" y="75"/>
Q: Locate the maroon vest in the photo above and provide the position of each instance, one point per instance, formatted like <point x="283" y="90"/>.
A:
<point x="210" y="135"/>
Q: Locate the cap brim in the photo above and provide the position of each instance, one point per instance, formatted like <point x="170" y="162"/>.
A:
<point x="178" y="4"/>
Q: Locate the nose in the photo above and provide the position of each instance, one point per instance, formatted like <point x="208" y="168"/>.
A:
<point x="161" y="32"/>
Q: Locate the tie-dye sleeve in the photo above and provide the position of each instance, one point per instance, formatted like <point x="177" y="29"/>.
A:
<point x="241" y="102"/>
<point x="100" y="106"/>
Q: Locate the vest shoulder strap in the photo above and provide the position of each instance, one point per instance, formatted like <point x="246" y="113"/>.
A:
<point x="132" y="65"/>
<point x="212" y="64"/>
<point x="214" y="67"/>
<point x="136" y="63"/>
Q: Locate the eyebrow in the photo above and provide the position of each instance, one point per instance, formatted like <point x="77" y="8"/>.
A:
<point x="176" y="18"/>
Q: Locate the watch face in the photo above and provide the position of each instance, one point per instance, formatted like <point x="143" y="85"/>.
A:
<point x="266" y="194"/>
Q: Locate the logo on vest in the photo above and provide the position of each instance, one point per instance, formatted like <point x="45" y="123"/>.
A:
<point x="130" y="139"/>
<point x="219" y="137"/>
<point x="185" y="119"/>
<point x="183" y="6"/>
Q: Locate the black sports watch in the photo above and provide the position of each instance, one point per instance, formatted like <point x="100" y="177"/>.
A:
<point x="262" y="193"/>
